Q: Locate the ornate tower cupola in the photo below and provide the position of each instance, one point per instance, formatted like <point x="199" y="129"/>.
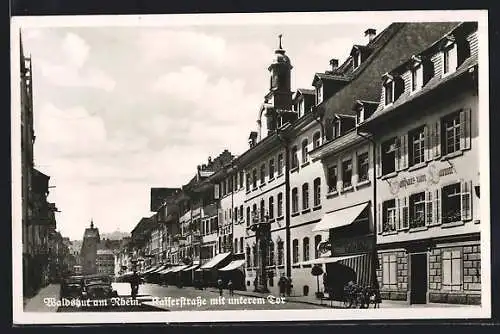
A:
<point x="279" y="98"/>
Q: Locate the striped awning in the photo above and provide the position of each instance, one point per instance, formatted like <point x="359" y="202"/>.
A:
<point x="215" y="260"/>
<point x="363" y="266"/>
<point x="160" y="268"/>
<point x="233" y="265"/>
<point x="329" y="259"/>
<point x="165" y="271"/>
<point x="179" y="268"/>
<point x="340" y="217"/>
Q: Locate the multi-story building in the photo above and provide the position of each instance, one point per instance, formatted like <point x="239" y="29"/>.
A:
<point x="105" y="262"/>
<point x="88" y="253"/>
<point x="427" y="134"/>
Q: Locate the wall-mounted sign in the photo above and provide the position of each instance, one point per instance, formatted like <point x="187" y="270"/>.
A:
<point x="353" y="245"/>
<point x="431" y="176"/>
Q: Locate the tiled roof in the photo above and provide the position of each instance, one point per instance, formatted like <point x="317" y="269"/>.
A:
<point x="391" y="48"/>
<point x="435" y="82"/>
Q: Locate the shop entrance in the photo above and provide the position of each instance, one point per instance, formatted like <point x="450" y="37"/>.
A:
<point x="418" y="279"/>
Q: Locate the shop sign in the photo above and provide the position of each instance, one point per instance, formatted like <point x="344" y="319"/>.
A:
<point x="353" y="245"/>
<point x="431" y="176"/>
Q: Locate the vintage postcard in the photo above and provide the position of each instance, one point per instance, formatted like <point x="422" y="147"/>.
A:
<point x="297" y="166"/>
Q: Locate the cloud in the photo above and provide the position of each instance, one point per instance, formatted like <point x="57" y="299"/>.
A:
<point x="76" y="49"/>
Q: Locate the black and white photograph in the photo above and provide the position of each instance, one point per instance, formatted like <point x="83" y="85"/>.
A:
<point x="294" y="166"/>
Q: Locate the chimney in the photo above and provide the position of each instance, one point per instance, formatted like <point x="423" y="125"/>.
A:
<point x="371" y="33"/>
<point x="209" y="160"/>
<point x="334" y="63"/>
<point x="252" y="139"/>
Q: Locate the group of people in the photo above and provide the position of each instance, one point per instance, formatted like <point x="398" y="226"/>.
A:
<point x="285" y="286"/>
<point x="220" y="286"/>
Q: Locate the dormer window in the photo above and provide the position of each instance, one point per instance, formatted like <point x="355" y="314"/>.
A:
<point x="336" y="128"/>
<point x="449" y="58"/>
<point x="356" y="59"/>
<point x="416" y="77"/>
<point x="319" y="93"/>
<point x="389" y="92"/>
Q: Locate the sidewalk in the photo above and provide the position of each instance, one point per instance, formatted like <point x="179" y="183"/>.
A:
<point x="36" y="303"/>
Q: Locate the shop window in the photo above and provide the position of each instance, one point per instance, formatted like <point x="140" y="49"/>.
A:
<point x="316" y="139"/>
<point x="417" y="147"/>
<point x="271" y="207"/>
<point x="305" y="143"/>
<point x="417" y="210"/>
<point x="452" y="270"/>
<point x="317" y="241"/>
<point x="389" y="267"/>
<point x="305" y="249"/>
<point x="389" y="216"/>
<point x="262" y="174"/>
<point x="389" y="156"/>
<point x="294" y="158"/>
<point x="317" y="191"/>
<point x="254" y="178"/>
<point x="332" y="178"/>
<point x="295" y="251"/>
<point x="305" y="196"/>
<point x="347" y="173"/>
<point x="363" y="167"/>
<point x="271" y="169"/>
<point x="295" y="200"/>
<point x="451" y="202"/>
<point x="280" y="204"/>
<point x="280" y="164"/>
<point x="280" y="252"/>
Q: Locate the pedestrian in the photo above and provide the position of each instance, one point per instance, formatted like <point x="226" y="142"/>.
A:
<point x="282" y="285"/>
<point x="289" y="286"/>
<point x="219" y="285"/>
<point x="230" y="287"/>
<point x="134" y="284"/>
<point x="255" y="283"/>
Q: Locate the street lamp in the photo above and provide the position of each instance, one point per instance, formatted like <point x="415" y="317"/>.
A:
<point x="262" y="229"/>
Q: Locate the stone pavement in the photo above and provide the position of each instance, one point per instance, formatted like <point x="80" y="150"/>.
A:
<point x="36" y="303"/>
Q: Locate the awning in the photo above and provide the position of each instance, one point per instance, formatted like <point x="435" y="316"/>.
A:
<point x="215" y="260"/>
<point x="194" y="266"/>
<point x="165" y="271"/>
<point x="340" y="217"/>
<point x="329" y="259"/>
<point x="157" y="270"/>
<point x="177" y="269"/>
<point x="233" y="265"/>
<point x="150" y="270"/>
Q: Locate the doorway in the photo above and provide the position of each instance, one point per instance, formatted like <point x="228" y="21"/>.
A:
<point x="418" y="279"/>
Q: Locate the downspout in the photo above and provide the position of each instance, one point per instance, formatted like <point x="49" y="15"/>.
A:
<point x="288" y="263"/>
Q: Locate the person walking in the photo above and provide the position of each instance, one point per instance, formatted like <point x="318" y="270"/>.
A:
<point x="230" y="287"/>
<point x="282" y="285"/>
<point x="289" y="286"/>
<point x="220" y="286"/>
<point x="134" y="284"/>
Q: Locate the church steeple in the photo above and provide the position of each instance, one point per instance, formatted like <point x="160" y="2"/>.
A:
<point x="92" y="223"/>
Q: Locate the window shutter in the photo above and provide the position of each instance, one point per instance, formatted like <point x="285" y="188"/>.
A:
<point x="216" y="191"/>
<point x="437" y="139"/>
<point x="405" y="214"/>
<point x="379" y="218"/>
<point x="465" y="129"/>
<point x="446" y="256"/>
<point x="427" y="154"/>
<point x="466" y="202"/>
<point x="453" y="58"/>
<point x="378" y="160"/>
<point x="354" y="176"/>
<point x="428" y="207"/>
<point x="404" y="145"/>
<point x="437" y="206"/>
<point x="399" y="149"/>
<point x="398" y="214"/>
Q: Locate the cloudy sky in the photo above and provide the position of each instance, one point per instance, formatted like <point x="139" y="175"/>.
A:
<point x="119" y="110"/>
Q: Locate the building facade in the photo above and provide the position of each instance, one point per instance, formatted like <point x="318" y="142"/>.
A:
<point x="105" y="262"/>
<point x="88" y="253"/>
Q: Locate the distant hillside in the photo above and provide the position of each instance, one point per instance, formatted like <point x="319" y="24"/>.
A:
<point x="116" y="235"/>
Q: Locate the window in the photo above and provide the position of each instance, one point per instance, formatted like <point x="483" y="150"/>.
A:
<point x="241" y="178"/>
<point x="449" y="59"/>
<point x="248" y="216"/>
<point x="389" y="266"/>
<point x="304" y="151"/>
<point x="295" y="251"/>
<point x="248" y="182"/>
<point x="254" y="212"/>
<point x="271" y="169"/>
<point x="295" y="159"/>
<point x="417" y="210"/>
<point x="452" y="270"/>
<point x="280" y="252"/>
<point x="417" y="146"/>
<point x="316" y="139"/>
<point x="356" y="59"/>
<point x="451" y="203"/>
<point x="254" y="178"/>
<point x="317" y="191"/>
<point x="280" y="204"/>
<point x="305" y="196"/>
<point x="305" y="249"/>
<point x="451" y="136"/>
<point x="236" y="245"/>
<point x="317" y="240"/>
<point x="262" y="174"/>
<point x="332" y="178"/>
<point x="319" y="93"/>
<point x="347" y="173"/>
<point x="270" y="254"/>
<point x="389" y="156"/>
<point x="262" y="210"/>
<point x="389" y="92"/>
<point x="363" y="167"/>
<point x="241" y="212"/>
<point x="416" y="78"/>
<point x="235" y="216"/>
<point x="336" y="128"/>
<point x="241" y="244"/>
<point x="389" y="216"/>
<point x="271" y="207"/>
<point x="280" y="164"/>
<point x="295" y="200"/>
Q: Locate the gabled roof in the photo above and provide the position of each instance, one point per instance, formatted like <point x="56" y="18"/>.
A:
<point x="392" y="47"/>
<point x="329" y="76"/>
